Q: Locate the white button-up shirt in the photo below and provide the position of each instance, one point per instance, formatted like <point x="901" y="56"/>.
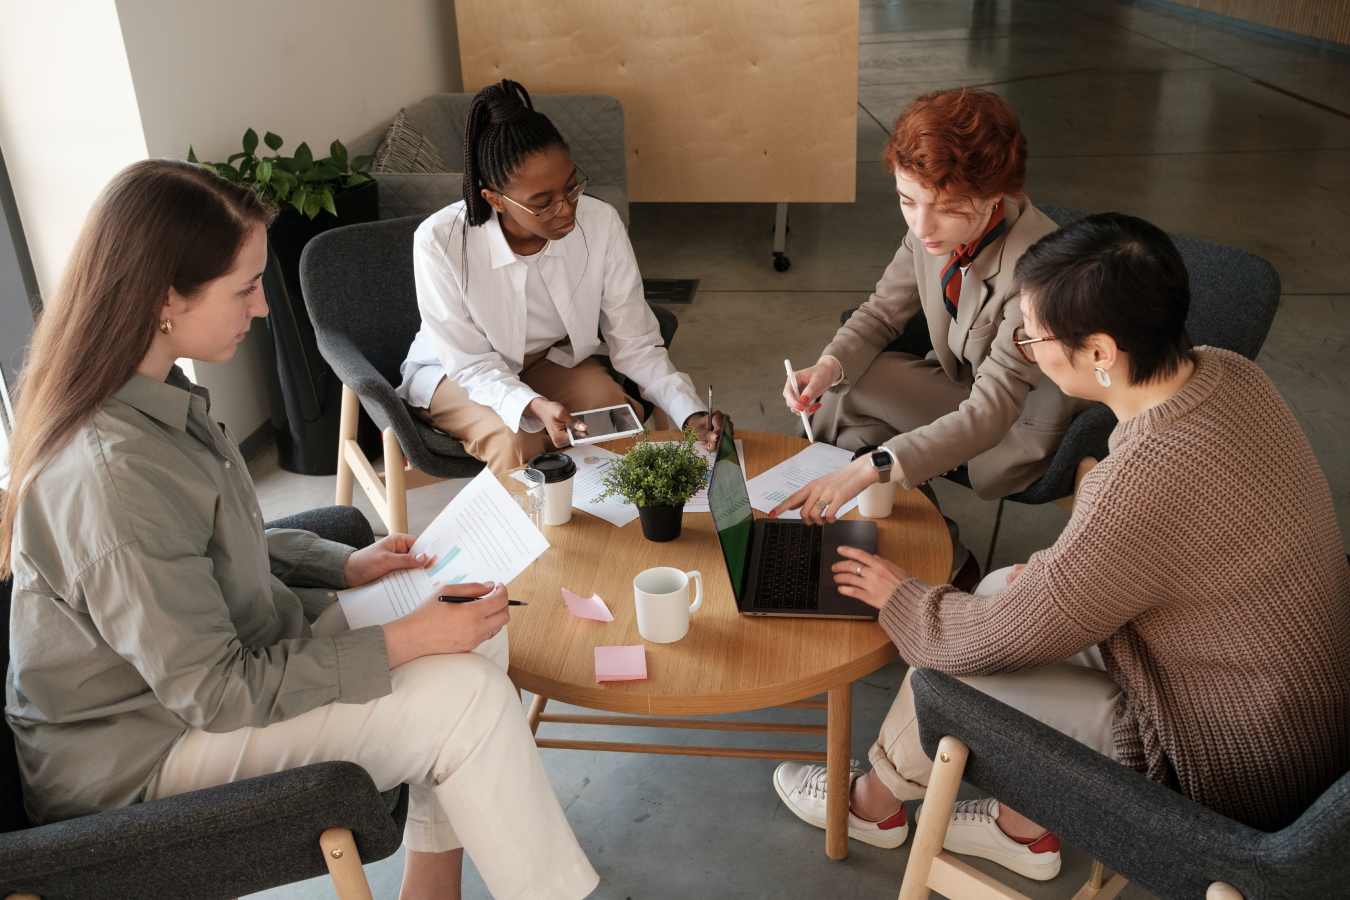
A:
<point x="471" y="292"/>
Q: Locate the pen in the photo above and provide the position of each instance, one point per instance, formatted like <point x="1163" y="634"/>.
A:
<point x="710" y="406"/>
<point x="445" y="598"/>
<point x="792" y="383"/>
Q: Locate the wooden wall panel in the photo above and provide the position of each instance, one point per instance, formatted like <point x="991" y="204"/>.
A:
<point x="724" y="100"/>
<point x="1328" y="20"/>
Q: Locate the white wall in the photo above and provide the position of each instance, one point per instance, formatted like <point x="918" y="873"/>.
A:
<point x="68" y="118"/>
<point x="89" y="86"/>
<point x="310" y="70"/>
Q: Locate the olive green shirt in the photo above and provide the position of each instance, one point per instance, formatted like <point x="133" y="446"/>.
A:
<point x="149" y="600"/>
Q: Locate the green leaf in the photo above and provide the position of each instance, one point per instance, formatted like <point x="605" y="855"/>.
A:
<point x="356" y="178"/>
<point x="298" y="199"/>
<point x="313" y="204"/>
<point x="339" y="154"/>
<point x="281" y="178"/>
<point x="233" y="156"/>
<point x="192" y="155"/>
<point x="328" y="203"/>
<point x="323" y="171"/>
<point x="303" y="157"/>
<point x="273" y="140"/>
<point x="226" y="171"/>
<point x="264" y="172"/>
<point x="362" y="163"/>
<point x="250" y="141"/>
<point x="286" y="164"/>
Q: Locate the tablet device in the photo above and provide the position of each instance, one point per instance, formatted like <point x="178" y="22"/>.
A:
<point x="604" y="424"/>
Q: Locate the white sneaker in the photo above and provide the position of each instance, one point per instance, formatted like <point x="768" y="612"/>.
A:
<point x="974" y="832"/>
<point x="801" y="786"/>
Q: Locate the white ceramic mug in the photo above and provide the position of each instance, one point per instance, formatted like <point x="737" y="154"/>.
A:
<point x="663" y="607"/>
<point x="877" y="500"/>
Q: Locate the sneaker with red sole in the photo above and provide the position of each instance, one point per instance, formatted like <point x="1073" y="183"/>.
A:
<point x="801" y="787"/>
<point x="974" y="831"/>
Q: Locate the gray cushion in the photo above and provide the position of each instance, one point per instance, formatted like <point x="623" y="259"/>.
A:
<point x="417" y="194"/>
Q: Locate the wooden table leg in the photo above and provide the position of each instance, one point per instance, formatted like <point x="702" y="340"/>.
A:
<point x="839" y="735"/>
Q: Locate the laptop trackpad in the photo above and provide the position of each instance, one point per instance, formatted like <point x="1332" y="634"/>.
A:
<point x="852" y="533"/>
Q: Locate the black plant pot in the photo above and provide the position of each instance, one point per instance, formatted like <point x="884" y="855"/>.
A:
<point x="306" y="395"/>
<point x="661" y="523"/>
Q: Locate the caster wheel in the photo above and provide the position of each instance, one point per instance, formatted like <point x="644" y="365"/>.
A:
<point x="781" y="263"/>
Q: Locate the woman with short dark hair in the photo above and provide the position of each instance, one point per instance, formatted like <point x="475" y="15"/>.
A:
<point x="1192" y="621"/>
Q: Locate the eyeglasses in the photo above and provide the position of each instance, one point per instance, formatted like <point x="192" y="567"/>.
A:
<point x="549" y="213"/>
<point x="1024" y="344"/>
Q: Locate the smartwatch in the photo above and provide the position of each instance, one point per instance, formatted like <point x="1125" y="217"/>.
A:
<point x="882" y="461"/>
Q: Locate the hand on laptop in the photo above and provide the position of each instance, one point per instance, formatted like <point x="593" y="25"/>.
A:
<point x="820" y="500"/>
<point x="707" y="426"/>
<point x="867" y="577"/>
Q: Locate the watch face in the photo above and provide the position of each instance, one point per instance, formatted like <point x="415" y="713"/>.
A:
<point x="881" y="459"/>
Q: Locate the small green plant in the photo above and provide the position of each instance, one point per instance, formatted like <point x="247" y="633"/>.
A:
<point x="658" y="474"/>
<point x="304" y="183"/>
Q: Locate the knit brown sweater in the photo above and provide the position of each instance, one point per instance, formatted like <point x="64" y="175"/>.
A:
<point x="1203" y="555"/>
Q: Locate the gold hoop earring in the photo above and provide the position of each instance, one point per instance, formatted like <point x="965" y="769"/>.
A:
<point x="166" y="326"/>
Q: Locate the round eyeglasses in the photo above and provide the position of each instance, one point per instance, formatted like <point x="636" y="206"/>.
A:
<point x="548" y="213"/>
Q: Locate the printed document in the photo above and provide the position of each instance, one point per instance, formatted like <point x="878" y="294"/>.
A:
<point x="481" y="535"/>
<point x="772" y="487"/>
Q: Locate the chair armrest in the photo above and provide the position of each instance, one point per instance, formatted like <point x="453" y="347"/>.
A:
<point x="224" y="841"/>
<point x="344" y="524"/>
<point x="1156" y="837"/>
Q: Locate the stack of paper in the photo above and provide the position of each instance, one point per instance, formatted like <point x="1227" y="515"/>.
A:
<point x="482" y="535"/>
<point x="621" y="663"/>
<point x="772" y="487"/>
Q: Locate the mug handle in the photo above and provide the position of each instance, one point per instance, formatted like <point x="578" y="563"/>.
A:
<point x="696" y="577"/>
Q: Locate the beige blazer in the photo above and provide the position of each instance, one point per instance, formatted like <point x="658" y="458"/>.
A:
<point x="1015" y="417"/>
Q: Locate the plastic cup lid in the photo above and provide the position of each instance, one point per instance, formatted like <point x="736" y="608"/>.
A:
<point x="555" y="466"/>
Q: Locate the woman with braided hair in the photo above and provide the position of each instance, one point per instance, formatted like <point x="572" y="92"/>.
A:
<point x="522" y="284"/>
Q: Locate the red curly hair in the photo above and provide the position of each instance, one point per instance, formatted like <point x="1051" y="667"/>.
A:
<point x="962" y="143"/>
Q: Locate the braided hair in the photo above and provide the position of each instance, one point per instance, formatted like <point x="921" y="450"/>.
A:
<point x="502" y="129"/>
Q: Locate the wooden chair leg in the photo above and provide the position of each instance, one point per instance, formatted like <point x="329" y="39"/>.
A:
<point x="347" y="424"/>
<point x="1099" y="887"/>
<point x="938" y="802"/>
<point x="536" y="710"/>
<point x="344" y="864"/>
<point x="395" y="488"/>
<point x="22" y="897"/>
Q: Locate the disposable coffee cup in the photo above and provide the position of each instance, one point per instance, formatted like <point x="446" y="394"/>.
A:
<point x="877" y="500"/>
<point x="559" y="472"/>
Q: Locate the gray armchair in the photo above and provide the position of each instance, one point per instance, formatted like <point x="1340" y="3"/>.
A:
<point x="219" y="842"/>
<point x="1234" y="297"/>
<point x="592" y="125"/>
<point x="359" y="287"/>
<point x="1151" y="835"/>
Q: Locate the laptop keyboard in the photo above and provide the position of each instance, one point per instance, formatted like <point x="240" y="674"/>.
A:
<point x="789" y="567"/>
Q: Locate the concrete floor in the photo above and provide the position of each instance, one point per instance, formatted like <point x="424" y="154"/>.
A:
<point x="1221" y="134"/>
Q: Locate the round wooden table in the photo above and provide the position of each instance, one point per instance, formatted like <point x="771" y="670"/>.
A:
<point x="728" y="662"/>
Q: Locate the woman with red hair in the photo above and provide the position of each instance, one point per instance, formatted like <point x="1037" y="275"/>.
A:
<point x="959" y="161"/>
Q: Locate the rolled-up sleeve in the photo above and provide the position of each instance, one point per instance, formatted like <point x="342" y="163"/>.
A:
<point x="164" y="613"/>
<point x="303" y="558"/>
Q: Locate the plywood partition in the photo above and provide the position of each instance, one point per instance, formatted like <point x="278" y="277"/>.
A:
<point x="724" y="100"/>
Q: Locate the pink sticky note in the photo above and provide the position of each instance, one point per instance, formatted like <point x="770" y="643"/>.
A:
<point x="591" y="607"/>
<point x="621" y="663"/>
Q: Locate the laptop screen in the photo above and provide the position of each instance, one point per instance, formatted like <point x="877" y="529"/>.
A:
<point x="729" y="500"/>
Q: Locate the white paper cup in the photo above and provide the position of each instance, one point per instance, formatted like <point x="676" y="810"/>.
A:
<point x="877" y="500"/>
<point x="559" y="471"/>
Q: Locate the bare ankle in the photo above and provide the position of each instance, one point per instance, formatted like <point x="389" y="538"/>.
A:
<point x="1017" y="826"/>
<point x="870" y="799"/>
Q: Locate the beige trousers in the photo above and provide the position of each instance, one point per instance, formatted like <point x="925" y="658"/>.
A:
<point x="587" y="385"/>
<point x="453" y="730"/>
<point x="1075" y="697"/>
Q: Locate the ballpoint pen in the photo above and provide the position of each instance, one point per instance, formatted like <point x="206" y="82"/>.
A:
<point x="446" y="598"/>
<point x="792" y="383"/>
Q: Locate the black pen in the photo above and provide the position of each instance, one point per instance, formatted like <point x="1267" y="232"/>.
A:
<point x="446" y="598"/>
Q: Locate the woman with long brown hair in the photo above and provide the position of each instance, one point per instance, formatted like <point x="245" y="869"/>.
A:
<point x="162" y="640"/>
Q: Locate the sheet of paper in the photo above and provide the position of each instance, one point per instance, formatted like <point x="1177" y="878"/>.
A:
<point x="699" y="502"/>
<point x="770" y="488"/>
<point x="481" y="535"/>
<point x="592" y="462"/>
<point x="591" y="607"/>
<point x="621" y="663"/>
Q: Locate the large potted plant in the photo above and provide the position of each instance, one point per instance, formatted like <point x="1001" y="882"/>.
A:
<point x="311" y="195"/>
<point x="658" y="478"/>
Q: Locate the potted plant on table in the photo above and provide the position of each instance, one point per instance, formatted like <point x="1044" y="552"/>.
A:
<point x="658" y="478"/>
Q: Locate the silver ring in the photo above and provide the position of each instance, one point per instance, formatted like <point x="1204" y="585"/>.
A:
<point x="858" y="571"/>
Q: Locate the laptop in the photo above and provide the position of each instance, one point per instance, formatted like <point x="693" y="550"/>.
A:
<point x="777" y="567"/>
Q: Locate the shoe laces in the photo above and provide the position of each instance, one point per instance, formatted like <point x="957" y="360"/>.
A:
<point x="985" y="810"/>
<point x="817" y="779"/>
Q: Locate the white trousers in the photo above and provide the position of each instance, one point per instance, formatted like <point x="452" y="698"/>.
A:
<point x="453" y="730"/>
<point x="1075" y="696"/>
